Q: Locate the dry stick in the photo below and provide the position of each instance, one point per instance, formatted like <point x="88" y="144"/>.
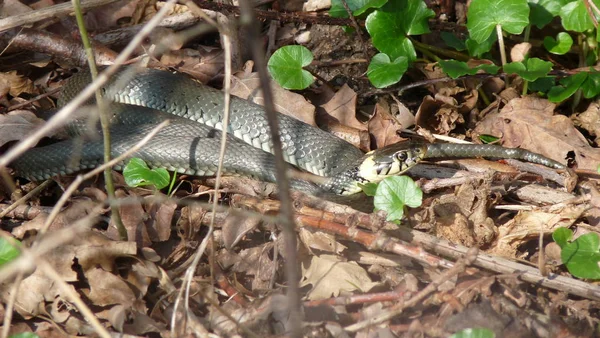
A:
<point x="247" y="19"/>
<point x="81" y="178"/>
<point x="363" y="46"/>
<point x="37" y="98"/>
<point x="45" y="13"/>
<point x="10" y="304"/>
<point x="59" y="119"/>
<point x="25" y="198"/>
<point x="104" y="120"/>
<point x="459" y="267"/>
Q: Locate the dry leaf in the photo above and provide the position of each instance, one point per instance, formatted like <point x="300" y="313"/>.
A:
<point x="203" y="64"/>
<point x="439" y="114"/>
<point x="383" y="127"/>
<point x="14" y="84"/>
<point x="320" y="241"/>
<point x="530" y="123"/>
<point x="590" y="120"/>
<point x="108" y="289"/>
<point x="342" y="107"/>
<point x="17" y="125"/>
<point x="520" y="51"/>
<point x="286" y="102"/>
<point x="329" y="276"/>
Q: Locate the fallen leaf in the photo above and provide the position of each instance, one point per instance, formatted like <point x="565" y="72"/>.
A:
<point x="203" y="63"/>
<point x="383" y="127"/>
<point x="320" y="241"/>
<point x="342" y="107"/>
<point x="17" y="125"/>
<point x="530" y="123"/>
<point x="14" y="84"/>
<point x="108" y="289"/>
<point x="329" y="276"/>
<point x="13" y="7"/>
<point x="158" y="223"/>
<point x="286" y="102"/>
<point x="439" y="114"/>
<point x="109" y="16"/>
<point x="520" y="51"/>
<point x="590" y="120"/>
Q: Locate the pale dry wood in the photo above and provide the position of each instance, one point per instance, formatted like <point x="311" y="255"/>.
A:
<point x="48" y="12"/>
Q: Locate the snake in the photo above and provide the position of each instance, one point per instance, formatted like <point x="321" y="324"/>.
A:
<point x="190" y="143"/>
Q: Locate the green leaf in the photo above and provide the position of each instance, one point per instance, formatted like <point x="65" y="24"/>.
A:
<point x="591" y="86"/>
<point x="370" y="189"/>
<point x="357" y="7"/>
<point x="456" y="69"/>
<point x="562" y="236"/>
<point x="474" y="333"/>
<point x="561" y="45"/>
<point x="382" y="72"/>
<point x="390" y="25"/>
<point x="543" y="11"/>
<point x="575" y="17"/>
<point x="543" y="84"/>
<point x="484" y="15"/>
<point x="532" y="70"/>
<point x="394" y="192"/>
<point x="137" y="174"/>
<point x="7" y="251"/>
<point x="477" y="49"/>
<point x="581" y="256"/>
<point x="453" y="41"/>
<point x="24" y="335"/>
<point x="487" y="139"/>
<point x="285" y="65"/>
<point x="568" y="87"/>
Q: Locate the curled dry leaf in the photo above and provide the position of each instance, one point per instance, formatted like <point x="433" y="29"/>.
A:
<point x="108" y="289"/>
<point x="329" y="276"/>
<point x="528" y="224"/>
<point x="14" y="84"/>
<point x="342" y="107"/>
<point x="439" y="114"/>
<point x="203" y="64"/>
<point x="530" y="123"/>
<point x="590" y="120"/>
<point x="286" y="102"/>
<point x="520" y="51"/>
<point x="320" y="241"/>
<point x="383" y="127"/>
<point x="17" y="125"/>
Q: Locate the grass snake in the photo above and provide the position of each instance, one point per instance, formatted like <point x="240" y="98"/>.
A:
<point x="190" y="143"/>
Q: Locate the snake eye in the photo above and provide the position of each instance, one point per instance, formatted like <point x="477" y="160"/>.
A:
<point x="401" y="156"/>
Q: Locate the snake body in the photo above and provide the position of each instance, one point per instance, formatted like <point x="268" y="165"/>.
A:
<point x="190" y="143"/>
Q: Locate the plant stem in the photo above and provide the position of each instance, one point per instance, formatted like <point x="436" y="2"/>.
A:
<point x="502" y="49"/>
<point x="110" y="188"/>
<point x="440" y="51"/>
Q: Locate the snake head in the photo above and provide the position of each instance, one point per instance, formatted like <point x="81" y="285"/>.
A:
<point x="392" y="160"/>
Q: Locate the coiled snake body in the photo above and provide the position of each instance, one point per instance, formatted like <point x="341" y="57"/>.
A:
<point x="190" y="143"/>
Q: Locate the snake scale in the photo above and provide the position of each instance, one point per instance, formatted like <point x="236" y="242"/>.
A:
<point x="190" y="143"/>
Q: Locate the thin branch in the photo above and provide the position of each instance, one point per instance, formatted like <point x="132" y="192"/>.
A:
<point x="248" y="21"/>
<point x="45" y="13"/>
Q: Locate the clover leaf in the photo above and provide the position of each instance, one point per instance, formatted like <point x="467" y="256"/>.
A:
<point x="286" y="67"/>
<point x="561" y="45"/>
<point x="396" y="192"/>
<point x="357" y="7"/>
<point x="531" y="70"/>
<point x="484" y="15"/>
<point x="137" y="174"/>
<point x="391" y="25"/>
<point x="456" y="69"/>
<point x="383" y="72"/>
<point x="581" y="256"/>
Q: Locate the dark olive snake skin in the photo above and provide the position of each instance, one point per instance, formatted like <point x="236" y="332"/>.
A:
<point x="190" y="143"/>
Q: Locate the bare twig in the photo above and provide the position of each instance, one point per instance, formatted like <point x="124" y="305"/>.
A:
<point x="248" y="21"/>
<point x="25" y="198"/>
<point x="45" y="13"/>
